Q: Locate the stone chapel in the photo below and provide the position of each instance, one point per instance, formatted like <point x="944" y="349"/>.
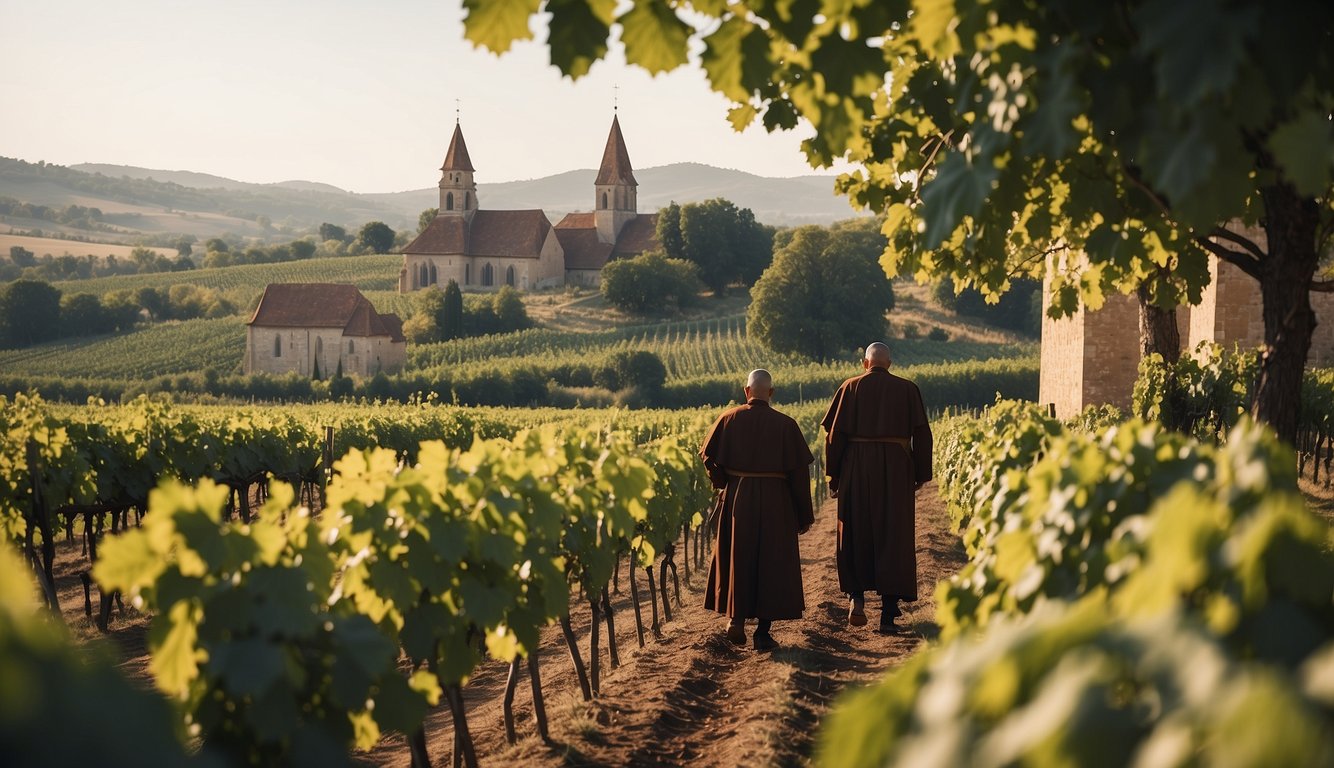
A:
<point x="485" y="249"/>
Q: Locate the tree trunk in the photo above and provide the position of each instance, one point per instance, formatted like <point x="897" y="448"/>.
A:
<point x="1285" y="285"/>
<point x="1157" y="329"/>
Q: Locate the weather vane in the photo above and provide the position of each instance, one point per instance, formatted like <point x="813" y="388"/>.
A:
<point x="456" y="110"/>
<point x="615" y="97"/>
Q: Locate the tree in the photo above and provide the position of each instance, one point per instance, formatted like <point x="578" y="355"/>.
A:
<point x="725" y="242"/>
<point x="29" y="313"/>
<point x="377" y="236"/>
<point x="302" y="249"/>
<point x="650" y="282"/>
<point x="450" y="319"/>
<point x="22" y="257"/>
<point x="184" y="245"/>
<point x="216" y="245"/>
<point x="425" y="218"/>
<point x="511" y="314"/>
<point x="1008" y="132"/>
<point x="152" y="301"/>
<point x="424" y="326"/>
<point x="818" y="298"/>
<point x="82" y="315"/>
<point x="332" y="232"/>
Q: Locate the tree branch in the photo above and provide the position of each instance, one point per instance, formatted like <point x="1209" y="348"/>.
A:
<point x="1323" y="286"/>
<point x="1239" y="260"/>
<point x="1245" y="242"/>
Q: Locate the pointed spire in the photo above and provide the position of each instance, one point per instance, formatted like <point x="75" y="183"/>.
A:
<point x="457" y="158"/>
<point x="615" y="159"/>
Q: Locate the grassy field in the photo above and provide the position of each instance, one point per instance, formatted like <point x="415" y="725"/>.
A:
<point x="707" y="343"/>
<point x="369" y="273"/>
<point x="155" y="350"/>
<point x="42" y="246"/>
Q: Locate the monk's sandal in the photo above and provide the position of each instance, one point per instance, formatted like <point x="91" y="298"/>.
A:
<point x="856" y="615"/>
<point x="736" y="634"/>
<point x="765" y="641"/>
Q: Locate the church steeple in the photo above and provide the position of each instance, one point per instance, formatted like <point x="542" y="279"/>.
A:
<point x="615" y="189"/>
<point x="458" y="191"/>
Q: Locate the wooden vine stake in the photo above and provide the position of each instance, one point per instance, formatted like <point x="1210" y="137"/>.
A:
<point x="575" y="658"/>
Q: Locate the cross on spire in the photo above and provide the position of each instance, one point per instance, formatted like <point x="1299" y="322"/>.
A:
<point x="615" y="97"/>
<point x="456" y="111"/>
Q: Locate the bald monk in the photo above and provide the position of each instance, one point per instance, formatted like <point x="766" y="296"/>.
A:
<point x="877" y="454"/>
<point x="759" y="458"/>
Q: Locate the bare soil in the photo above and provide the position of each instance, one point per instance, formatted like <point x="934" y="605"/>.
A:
<point x="687" y="698"/>
<point x="691" y="698"/>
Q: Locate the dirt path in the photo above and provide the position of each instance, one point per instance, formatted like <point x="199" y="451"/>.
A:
<point x="686" y="698"/>
<point x="691" y="698"/>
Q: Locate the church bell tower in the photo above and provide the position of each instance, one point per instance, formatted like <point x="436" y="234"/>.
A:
<point x="615" y="188"/>
<point x="458" y="191"/>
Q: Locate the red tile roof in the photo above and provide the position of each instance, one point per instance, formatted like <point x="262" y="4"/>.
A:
<point x="444" y="235"/>
<point x="615" y="159"/>
<point x="456" y="159"/>
<point x="582" y="248"/>
<point x="323" y="305"/>
<point x="577" y="221"/>
<point x="578" y="237"/>
<point x="639" y="234"/>
<point x="491" y="233"/>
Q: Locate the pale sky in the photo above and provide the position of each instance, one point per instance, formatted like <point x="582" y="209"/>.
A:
<point x="354" y="93"/>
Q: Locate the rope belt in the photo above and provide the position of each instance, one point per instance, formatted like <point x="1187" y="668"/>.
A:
<point x="737" y="473"/>
<point x="903" y="441"/>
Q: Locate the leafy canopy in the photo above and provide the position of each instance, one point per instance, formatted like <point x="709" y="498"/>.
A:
<point x="994" y="134"/>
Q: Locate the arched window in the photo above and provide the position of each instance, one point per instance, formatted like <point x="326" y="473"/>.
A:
<point x="467" y="274"/>
<point x="434" y="275"/>
<point x="277" y="346"/>
<point x="509" y="277"/>
<point x="351" y="346"/>
<point x="488" y="275"/>
<point x="604" y="200"/>
<point x="449" y="201"/>
<point x="467" y="200"/>
<point x="421" y="272"/>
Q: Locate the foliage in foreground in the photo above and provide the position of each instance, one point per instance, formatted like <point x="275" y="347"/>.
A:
<point x="1133" y="597"/>
<point x="1075" y="686"/>
<point x="279" y="638"/>
<point x="50" y="686"/>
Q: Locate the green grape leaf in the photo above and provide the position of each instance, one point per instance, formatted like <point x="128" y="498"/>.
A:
<point x="1304" y="148"/>
<point x="579" y="30"/>
<point x="496" y="26"/>
<point x="176" y="659"/>
<point x="654" y="37"/>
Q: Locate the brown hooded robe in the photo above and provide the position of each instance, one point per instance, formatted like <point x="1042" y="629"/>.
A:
<point x="875" y="479"/>
<point x="756" y="570"/>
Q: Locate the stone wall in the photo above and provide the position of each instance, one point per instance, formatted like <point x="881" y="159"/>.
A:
<point x="1092" y="357"/>
<point x="1231" y="310"/>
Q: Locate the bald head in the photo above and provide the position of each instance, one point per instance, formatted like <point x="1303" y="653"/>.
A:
<point x="759" y="385"/>
<point x="877" y="354"/>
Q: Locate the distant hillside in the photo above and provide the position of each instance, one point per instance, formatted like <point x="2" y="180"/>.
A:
<point x="784" y="202"/>
<point x="150" y="201"/>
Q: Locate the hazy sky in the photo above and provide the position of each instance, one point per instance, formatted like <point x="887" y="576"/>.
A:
<point x="355" y="93"/>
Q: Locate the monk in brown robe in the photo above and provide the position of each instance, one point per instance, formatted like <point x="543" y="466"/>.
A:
<point x="759" y="458"/>
<point x="877" y="454"/>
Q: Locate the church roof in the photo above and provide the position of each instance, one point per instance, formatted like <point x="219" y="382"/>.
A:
<point x="615" y="159"/>
<point x="638" y="235"/>
<point x="324" y="305"/>
<point x="456" y="159"/>
<point x="583" y="249"/>
<point x="578" y="237"/>
<point x="491" y="233"/>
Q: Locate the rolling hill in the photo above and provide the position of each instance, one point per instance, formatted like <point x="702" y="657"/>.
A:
<point x="144" y="201"/>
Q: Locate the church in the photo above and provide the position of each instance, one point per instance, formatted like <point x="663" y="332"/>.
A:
<point x="484" y="249"/>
